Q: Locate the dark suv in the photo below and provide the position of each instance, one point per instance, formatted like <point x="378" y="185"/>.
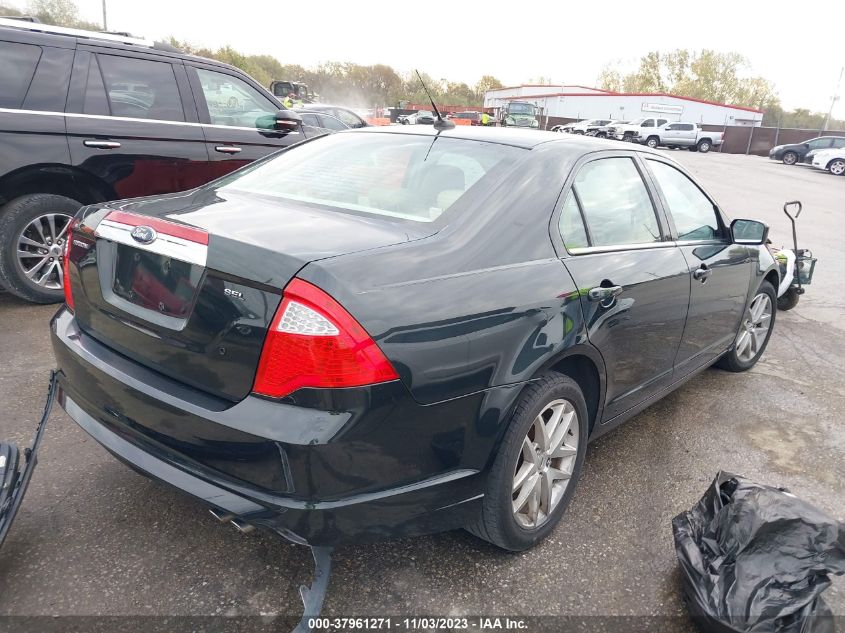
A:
<point x="87" y="117"/>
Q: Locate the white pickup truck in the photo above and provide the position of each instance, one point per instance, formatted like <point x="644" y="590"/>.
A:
<point x="680" y="134"/>
<point x="638" y="127"/>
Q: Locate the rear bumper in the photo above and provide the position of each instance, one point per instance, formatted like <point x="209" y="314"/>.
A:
<point x="372" y="464"/>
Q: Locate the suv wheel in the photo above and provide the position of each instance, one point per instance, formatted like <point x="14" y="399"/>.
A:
<point x="704" y="146"/>
<point x="33" y="231"/>
<point x="755" y="329"/>
<point x="790" y="158"/>
<point x="537" y="467"/>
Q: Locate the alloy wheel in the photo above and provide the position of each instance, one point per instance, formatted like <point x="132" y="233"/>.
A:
<point x="652" y="143"/>
<point x="40" y="250"/>
<point x="837" y="167"/>
<point x="754" y="328"/>
<point x="790" y="158"/>
<point x="544" y="467"/>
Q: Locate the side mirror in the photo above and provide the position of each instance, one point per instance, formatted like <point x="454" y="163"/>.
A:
<point x="750" y="232"/>
<point x="287" y="120"/>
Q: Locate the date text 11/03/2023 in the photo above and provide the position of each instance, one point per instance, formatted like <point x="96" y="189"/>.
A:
<point x="480" y="623"/>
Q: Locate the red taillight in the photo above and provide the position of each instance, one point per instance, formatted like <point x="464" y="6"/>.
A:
<point x="66" y="264"/>
<point x="314" y="342"/>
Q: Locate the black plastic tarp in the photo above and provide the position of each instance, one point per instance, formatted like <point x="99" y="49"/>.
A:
<point x="756" y="558"/>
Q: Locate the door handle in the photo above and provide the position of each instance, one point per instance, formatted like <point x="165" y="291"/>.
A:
<point x="603" y="293"/>
<point x="227" y="149"/>
<point x="101" y="144"/>
<point x="702" y="273"/>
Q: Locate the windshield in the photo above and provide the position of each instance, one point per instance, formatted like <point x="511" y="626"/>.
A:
<point x="521" y="108"/>
<point x="398" y="175"/>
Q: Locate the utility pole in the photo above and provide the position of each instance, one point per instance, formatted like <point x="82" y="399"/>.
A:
<point x="833" y="100"/>
<point x="105" y="21"/>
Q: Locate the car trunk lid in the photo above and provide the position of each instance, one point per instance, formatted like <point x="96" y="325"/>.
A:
<point x="188" y="287"/>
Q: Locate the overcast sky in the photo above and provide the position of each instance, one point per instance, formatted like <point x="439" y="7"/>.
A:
<point x="513" y="41"/>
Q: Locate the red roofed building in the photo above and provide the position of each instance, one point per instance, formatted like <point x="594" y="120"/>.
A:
<point x="572" y="102"/>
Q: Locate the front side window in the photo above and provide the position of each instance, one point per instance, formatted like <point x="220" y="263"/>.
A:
<point x="674" y="127"/>
<point x="839" y="142"/>
<point x="820" y="143"/>
<point x="693" y="212"/>
<point x="140" y="88"/>
<point x="408" y="177"/>
<point x="615" y="203"/>
<point x="648" y="123"/>
<point x="233" y="102"/>
<point x="17" y="66"/>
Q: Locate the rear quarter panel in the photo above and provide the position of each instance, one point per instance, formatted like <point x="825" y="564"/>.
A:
<point x="481" y="304"/>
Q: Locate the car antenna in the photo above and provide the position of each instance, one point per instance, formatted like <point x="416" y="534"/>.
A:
<point x="440" y="123"/>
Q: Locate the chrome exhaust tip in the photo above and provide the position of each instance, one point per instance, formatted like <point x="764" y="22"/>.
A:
<point x="243" y="528"/>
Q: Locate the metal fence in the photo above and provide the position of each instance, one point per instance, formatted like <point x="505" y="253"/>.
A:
<point x="740" y="139"/>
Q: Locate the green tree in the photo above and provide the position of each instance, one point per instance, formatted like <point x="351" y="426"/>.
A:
<point x="707" y="74"/>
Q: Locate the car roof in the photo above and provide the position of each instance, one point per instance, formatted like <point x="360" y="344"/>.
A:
<point x="513" y="136"/>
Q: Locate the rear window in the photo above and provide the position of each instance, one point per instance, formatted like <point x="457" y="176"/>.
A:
<point x="410" y="177"/>
<point x="17" y="65"/>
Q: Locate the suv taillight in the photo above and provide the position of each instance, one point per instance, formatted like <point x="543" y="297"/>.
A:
<point x="66" y="264"/>
<point x="314" y="342"/>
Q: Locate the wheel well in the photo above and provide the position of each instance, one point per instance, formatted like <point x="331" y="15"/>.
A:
<point x="56" y="179"/>
<point x="583" y="371"/>
<point x="706" y="138"/>
<point x="773" y="277"/>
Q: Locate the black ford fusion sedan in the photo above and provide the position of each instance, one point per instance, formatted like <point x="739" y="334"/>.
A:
<point x="388" y="332"/>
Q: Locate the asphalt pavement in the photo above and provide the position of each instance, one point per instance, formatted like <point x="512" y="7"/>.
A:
<point x="95" y="538"/>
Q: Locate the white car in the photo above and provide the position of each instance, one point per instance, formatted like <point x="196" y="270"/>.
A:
<point x="833" y="160"/>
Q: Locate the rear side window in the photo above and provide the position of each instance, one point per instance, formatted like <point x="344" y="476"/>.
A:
<point x="17" y="66"/>
<point x="331" y="123"/>
<point x="141" y="88"/>
<point x="409" y="177"/>
<point x="571" y="224"/>
<point x="615" y="203"/>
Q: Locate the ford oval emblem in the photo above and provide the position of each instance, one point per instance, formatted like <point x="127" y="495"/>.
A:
<point x="144" y="234"/>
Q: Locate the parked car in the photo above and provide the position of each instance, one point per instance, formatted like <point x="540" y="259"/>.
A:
<point x="604" y="131"/>
<point x="308" y="345"/>
<point x="473" y="117"/>
<point x="627" y="132"/>
<point x="422" y="117"/>
<point x="350" y="118"/>
<point x="833" y="160"/>
<point x="321" y="122"/>
<point x="587" y="126"/>
<point x="795" y="152"/>
<point x="680" y="134"/>
<point x="87" y="117"/>
<point x="567" y="127"/>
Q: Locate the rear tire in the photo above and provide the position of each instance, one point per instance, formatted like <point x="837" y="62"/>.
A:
<point x="704" y="146"/>
<point x="25" y="222"/>
<point x="750" y="342"/>
<point x="788" y="300"/>
<point x="789" y="158"/>
<point x="519" y="458"/>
